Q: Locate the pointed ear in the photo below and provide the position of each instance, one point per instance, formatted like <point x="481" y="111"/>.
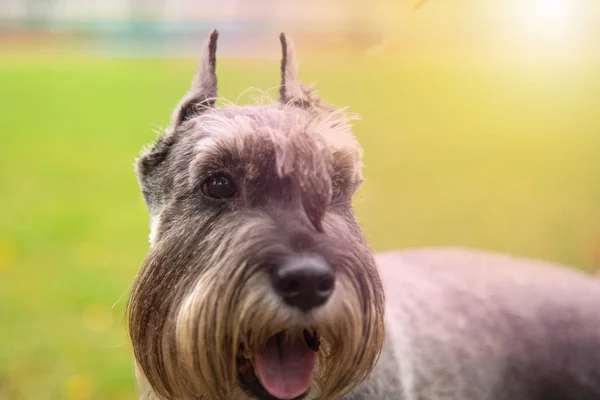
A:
<point x="203" y="93"/>
<point x="292" y="91"/>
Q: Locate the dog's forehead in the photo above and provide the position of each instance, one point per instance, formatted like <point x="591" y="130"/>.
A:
<point x="287" y="128"/>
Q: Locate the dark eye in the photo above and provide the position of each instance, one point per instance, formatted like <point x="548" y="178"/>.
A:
<point x="219" y="186"/>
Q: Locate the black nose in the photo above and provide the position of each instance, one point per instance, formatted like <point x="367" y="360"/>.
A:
<point x="305" y="282"/>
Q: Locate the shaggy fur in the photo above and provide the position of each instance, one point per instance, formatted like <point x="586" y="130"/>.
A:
<point x="464" y="324"/>
<point x="460" y="324"/>
<point x="203" y="297"/>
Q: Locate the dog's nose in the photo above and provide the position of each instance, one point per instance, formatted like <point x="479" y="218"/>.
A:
<point x="304" y="282"/>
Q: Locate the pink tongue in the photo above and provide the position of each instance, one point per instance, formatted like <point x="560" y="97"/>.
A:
<point x="285" y="370"/>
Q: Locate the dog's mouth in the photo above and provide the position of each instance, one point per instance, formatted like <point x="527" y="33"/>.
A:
<point x="282" y="370"/>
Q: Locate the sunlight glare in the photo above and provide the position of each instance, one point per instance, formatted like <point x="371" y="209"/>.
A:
<point x="549" y="20"/>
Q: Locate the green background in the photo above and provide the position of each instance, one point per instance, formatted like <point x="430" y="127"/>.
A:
<point x="456" y="153"/>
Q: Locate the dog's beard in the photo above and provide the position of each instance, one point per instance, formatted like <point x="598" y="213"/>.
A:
<point x="274" y="352"/>
<point x="220" y="332"/>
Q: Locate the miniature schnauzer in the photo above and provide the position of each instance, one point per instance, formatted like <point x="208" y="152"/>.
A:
<point x="259" y="283"/>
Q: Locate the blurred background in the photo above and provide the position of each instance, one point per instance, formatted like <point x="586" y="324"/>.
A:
<point x="480" y="123"/>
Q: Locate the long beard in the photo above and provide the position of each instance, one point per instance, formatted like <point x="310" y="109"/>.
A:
<point x="192" y="317"/>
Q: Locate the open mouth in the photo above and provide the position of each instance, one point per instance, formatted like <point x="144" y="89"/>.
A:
<point x="282" y="370"/>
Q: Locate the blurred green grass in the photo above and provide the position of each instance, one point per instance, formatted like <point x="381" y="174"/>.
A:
<point x="504" y="158"/>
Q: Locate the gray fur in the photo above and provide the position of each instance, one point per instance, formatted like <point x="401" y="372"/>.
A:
<point x="202" y="305"/>
<point x="459" y="324"/>
<point x="473" y="325"/>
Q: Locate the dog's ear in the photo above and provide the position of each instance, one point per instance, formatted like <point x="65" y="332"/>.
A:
<point x="200" y="97"/>
<point x="291" y="90"/>
<point x="203" y="93"/>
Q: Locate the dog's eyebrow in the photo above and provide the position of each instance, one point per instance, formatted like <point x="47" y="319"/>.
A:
<point x="214" y="155"/>
<point x="205" y="142"/>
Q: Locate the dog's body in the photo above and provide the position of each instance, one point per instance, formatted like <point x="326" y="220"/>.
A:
<point x="260" y="285"/>
<point x="463" y="324"/>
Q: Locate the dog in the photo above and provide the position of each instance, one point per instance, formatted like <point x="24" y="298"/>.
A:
<point x="259" y="283"/>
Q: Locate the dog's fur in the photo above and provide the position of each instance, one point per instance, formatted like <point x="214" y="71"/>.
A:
<point x="460" y="324"/>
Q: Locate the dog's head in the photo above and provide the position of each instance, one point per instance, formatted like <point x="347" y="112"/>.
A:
<point x="258" y="283"/>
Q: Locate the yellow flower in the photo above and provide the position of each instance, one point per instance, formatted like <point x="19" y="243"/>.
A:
<point x="79" y="387"/>
<point x="8" y="254"/>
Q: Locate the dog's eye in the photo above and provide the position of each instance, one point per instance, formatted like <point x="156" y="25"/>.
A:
<point x="219" y="186"/>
